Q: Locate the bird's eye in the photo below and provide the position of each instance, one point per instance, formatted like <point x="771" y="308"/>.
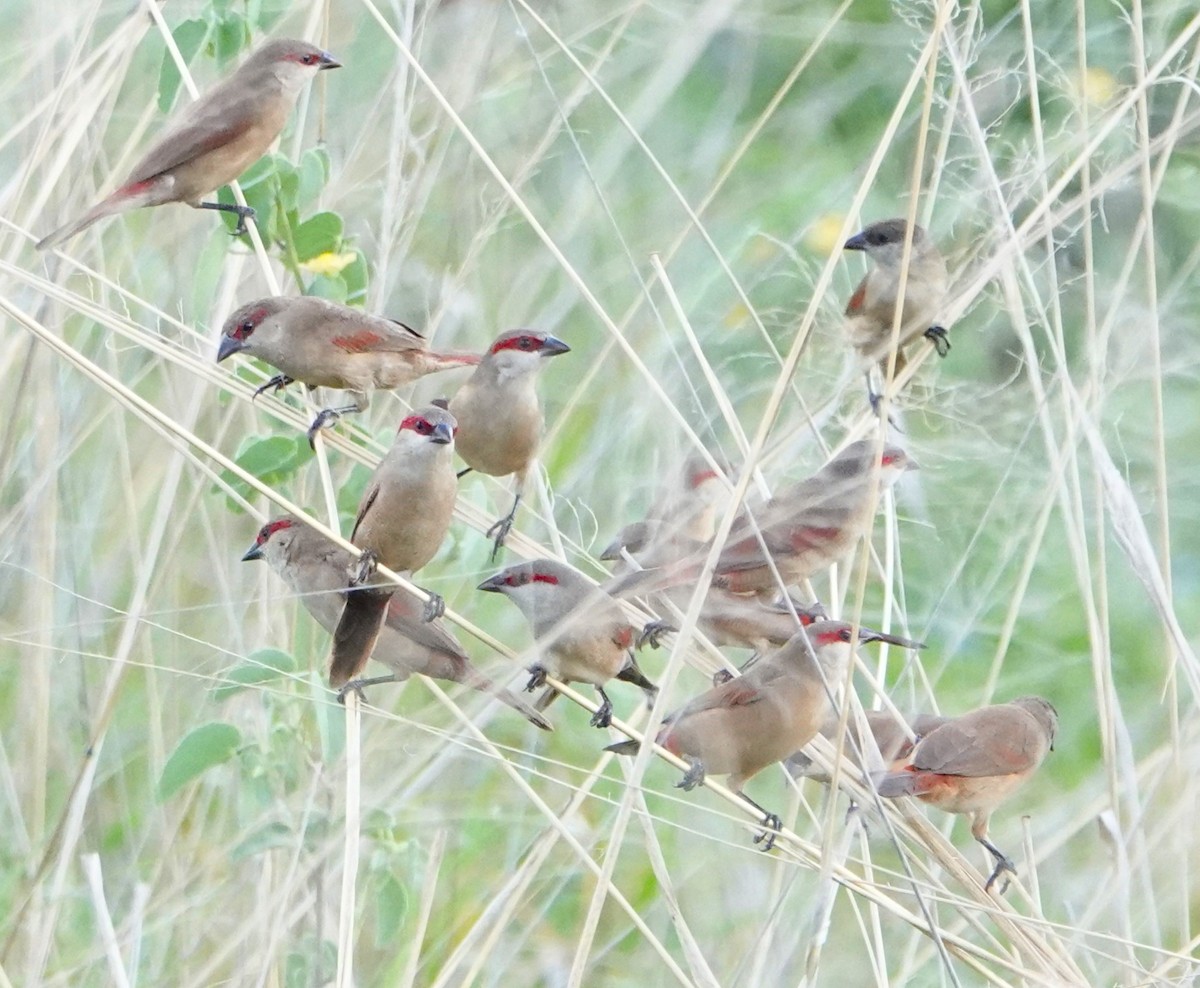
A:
<point x="246" y="328"/>
<point x="423" y="427"/>
<point x="528" y="343"/>
<point x="309" y="59"/>
<point x="845" y="635"/>
<point x="888" y="459"/>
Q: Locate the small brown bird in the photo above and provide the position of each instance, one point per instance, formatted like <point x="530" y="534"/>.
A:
<point x="402" y="519"/>
<point x="893" y="739"/>
<point x="315" y="568"/>
<point x="327" y="345"/>
<point x="872" y="308"/>
<point x="805" y="529"/>
<point x="499" y="415"/>
<point x="777" y="707"/>
<point x="581" y="633"/>
<point x="972" y="763"/>
<point x="216" y="138"/>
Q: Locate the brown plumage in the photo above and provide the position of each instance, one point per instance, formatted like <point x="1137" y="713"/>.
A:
<point x="581" y="632"/>
<point x="499" y="415"/>
<point x="216" y="138"/>
<point x="893" y="739"/>
<point x="402" y="519"/>
<point x="742" y="726"/>
<point x="972" y="763"/>
<point x="315" y="568"/>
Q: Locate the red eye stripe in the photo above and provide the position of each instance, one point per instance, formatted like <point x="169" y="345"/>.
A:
<point x="545" y="578"/>
<point x="417" y="424"/>
<point x="248" y="325"/>
<point x="269" y="529"/>
<point x="701" y="476"/>
<point x="524" y="343"/>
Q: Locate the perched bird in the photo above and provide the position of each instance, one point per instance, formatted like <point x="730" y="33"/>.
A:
<point x="582" y="635"/>
<point x="216" y="138"/>
<point x="893" y="739"/>
<point x="972" y="763"/>
<point x="315" y="568"/>
<point x="327" y="345"/>
<point x="806" y="528"/>
<point x="681" y="520"/>
<point x="871" y="310"/>
<point x="742" y="726"/>
<point x="402" y="519"/>
<point x="499" y="415"/>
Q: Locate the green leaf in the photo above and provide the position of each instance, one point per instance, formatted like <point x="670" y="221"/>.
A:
<point x="355" y="277"/>
<point x="189" y="37"/>
<point x="262" y="666"/>
<point x="231" y="37"/>
<point x="206" y="746"/>
<point x="391" y="906"/>
<point x="319" y="234"/>
<point x="331" y="720"/>
<point x="314" y="174"/>
<point x="266" y="838"/>
<point x="332" y="287"/>
<point x="272" y="459"/>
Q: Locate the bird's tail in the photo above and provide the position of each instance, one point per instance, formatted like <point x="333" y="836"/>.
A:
<point x="548" y="696"/>
<point x="896" y="784"/>
<point x="624" y="747"/>
<point x="128" y="197"/>
<point x="632" y="674"/>
<point x="357" y="631"/>
<point x="445" y="361"/>
<point x="478" y="681"/>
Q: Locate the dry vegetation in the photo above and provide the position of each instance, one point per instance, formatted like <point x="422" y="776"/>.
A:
<point x="665" y="187"/>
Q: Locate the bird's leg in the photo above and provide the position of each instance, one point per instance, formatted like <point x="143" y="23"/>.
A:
<point x="325" y="419"/>
<point x="537" y="680"/>
<point x="499" y="531"/>
<point x="693" y="777"/>
<point x="770" y="820"/>
<point x="463" y="472"/>
<point x="358" y="685"/>
<point x="652" y="633"/>
<point x="278" y="382"/>
<point x="937" y="336"/>
<point x="367" y="563"/>
<point x="721" y="677"/>
<point x="873" y="396"/>
<point x="603" y="716"/>
<point x="243" y="213"/>
<point x="435" y="606"/>
<point x="1003" y="864"/>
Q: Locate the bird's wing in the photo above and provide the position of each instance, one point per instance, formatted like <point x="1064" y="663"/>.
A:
<point x="364" y="507"/>
<point x="858" y="299"/>
<point x="735" y="693"/>
<point x="358" y="332"/>
<point x="212" y="121"/>
<point x="974" y="746"/>
<point x="405" y="615"/>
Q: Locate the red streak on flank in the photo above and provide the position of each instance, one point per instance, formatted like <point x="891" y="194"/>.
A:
<point x="545" y="578"/>
<point x="857" y="299"/>
<point x="359" y="342"/>
<point x="135" y="188"/>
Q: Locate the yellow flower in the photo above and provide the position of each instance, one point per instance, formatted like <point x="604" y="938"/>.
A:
<point x="329" y="263"/>
<point x="1098" y="86"/>
<point x="822" y="237"/>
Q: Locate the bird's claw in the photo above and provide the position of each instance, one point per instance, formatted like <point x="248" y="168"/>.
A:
<point x="435" y="607"/>
<point x="354" y="686"/>
<point x="278" y="382"/>
<point x="243" y="213"/>
<point x="1003" y="865"/>
<point x="940" y="340"/>
<point x="773" y="825"/>
<point x="652" y="633"/>
<point x="367" y="564"/>
<point x="498" y="533"/>
<point x="721" y="677"/>
<point x="537" y="680"/>
<point x="693" y="777"/>
<point x="603" y="715"/>
<point x="324" y="420"/>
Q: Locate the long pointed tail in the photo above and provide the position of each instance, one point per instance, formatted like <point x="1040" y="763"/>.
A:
<point x="116" y="203"/>
<point x="473" y="678"/>
<point x="357" y="631"/>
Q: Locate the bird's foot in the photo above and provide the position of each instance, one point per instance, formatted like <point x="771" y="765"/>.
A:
<point x="603" y="715"/>
<point x="324" y="420"/>
<point x="537" y="680"/>
<point x="243" y="213"/>
<point x="940" y="340"/>
<point x="435" y="607"/>
<point x="653" y="632"/>
<point x="367" y="564"/>
<point x="721" y="677"/>
<point x="498" y="533"/>
<point x="1003" y="865"/>
<point x="278" y="382"/>
<point x="358" y="685"/>
<point x="693" y="777"/>
<point x="773" y="826"/>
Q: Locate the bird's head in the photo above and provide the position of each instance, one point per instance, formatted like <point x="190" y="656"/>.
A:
<point x="274" y="540"/>
<point x="521" y="352"/>
<point x="883" y="242"/>
<point x="430" y="429"/>
<point x="255" y="329"/>
<point x="292" y="62"/>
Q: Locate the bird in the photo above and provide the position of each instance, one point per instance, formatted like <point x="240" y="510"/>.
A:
<point x="402" y="519"/>
<point x="742" y="726"/>
<point x="804" y="529"/>
<point x="894" y="739"/>
<point x="499" y="415"/>
<point x="973" y="763"/>
<point x="216" y="138"/>
<point x="581" y="633"/>
<point x="327" y="345"/>
<point x="314" y="568"/>
<point x="871" y="310"/>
